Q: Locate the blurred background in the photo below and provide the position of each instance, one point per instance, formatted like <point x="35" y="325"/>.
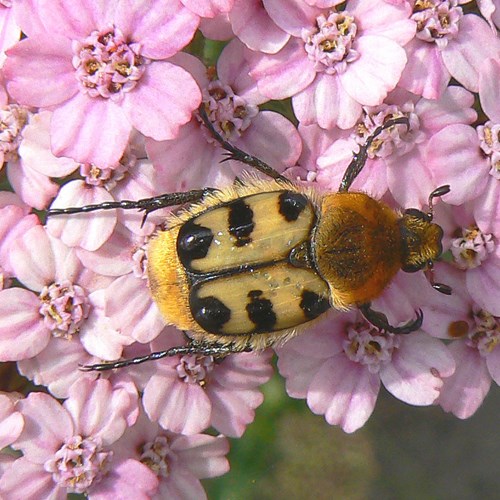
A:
<point x="402" y="452"/>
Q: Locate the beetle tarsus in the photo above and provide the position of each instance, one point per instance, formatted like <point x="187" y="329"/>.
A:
<point x="379" y="320"/>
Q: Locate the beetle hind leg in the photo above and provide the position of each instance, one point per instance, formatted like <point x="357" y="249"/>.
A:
<point x="193" y="347"/>
<point x="379" y="320"/>
<point x="234" y="153"/>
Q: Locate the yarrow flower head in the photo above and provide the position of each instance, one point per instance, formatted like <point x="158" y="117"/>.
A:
<point x="112" y="73"/>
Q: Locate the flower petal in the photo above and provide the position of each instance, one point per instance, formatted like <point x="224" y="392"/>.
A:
<point x="345" y="392"/>
<point x="163" y="101"/>
<point x="416" y="372"/>
<point x="38" y="71"/>
<point x="90" y="130"/>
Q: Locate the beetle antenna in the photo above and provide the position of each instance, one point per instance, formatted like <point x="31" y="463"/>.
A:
<point x="440" y="287"/>
<point x="437" y="193"/>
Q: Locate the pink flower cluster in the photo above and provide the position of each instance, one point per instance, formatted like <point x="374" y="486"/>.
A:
<point x="98" y="102"/>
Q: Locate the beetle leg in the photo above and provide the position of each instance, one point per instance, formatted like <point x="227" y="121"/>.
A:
<point x="193" y="347"/>
<point x="378" y="319"/>
<point x="234" y="153"/>
<point x="359" y="159"/>
<point x="147" y="205"/>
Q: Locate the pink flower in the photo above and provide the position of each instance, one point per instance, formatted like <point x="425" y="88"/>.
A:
<point x="9" y="29"/>
<point x="398" y="159"/>
<point x="232" y="105"/>
<point x="252" y="24"/>
<point x="51" y="313"/>
<point x="178" y="461"/>
<point x="335" y="62"/>
<point x="15" y="220"/>
<point x="11" y="421"/>
<point x="448" y="44"/>
<point x="188" y="394"/>
<point x="339" y="369"/>
<point x="105" y="74"/>
<point x="476" y="344"/>
<point x="208" y="8"/>
<point x="68" y="448"/>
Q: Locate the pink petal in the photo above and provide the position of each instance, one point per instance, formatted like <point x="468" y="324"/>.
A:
<point x="88" y="231"/>
<point x="11" y="422"/>
<point x="34" y="188"/>
<point x="10" y="33"/>
<point x="283" y="74"/>
<point x="388" y="20"/>
<point x="417" y="369"/>
<point x="177" y="406"/>
<point x="113" y="258"/>
<point x="291" y="15"/>
<point x="486" y="208"/>
<point x="376" y="72"/>
<point x="454" y="106"/>
<point x="324" y="102"/>
<point x="493" y="365"/>
<point x="217" y="28"/>
<point x="182" y="161"/>
<point x="464" y="392"/>
<point x="483" y="284"/>
<point x="489" y="88"/>
<point x="35" y="149"/>
<point x="345" y="392"/>
<point x="26" y="479"/>
<point x="56" y="367"/>
<point x="46" y="426"/>
<point x="90" y="130"/>
<point x="208" y="8"/>
<point x="163" y="101"/>
<point x="232" y="69"/>
<point x="131" y="310"/>
<point x="272" y="138"/>
<point x="162" y="30"/>
<point x="39" y="272"/>
<point x="410" y="179"/>
<point x="181" y="483"/>
<point x="233" y="410"/>
<point x="204" y="455"/>
<point x="75" y="22"/>
<point x="454" y="157"/>
<point x="253" y="26"/>
<point x="98" y="410"/>
<point x="474" y="43"/>
<point x="425" y="73"/>
<point x="127" y="479"/>
<point x="38" y="71"/>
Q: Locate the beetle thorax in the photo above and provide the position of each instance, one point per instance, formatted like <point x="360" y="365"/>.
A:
<point x="357" y="247"/>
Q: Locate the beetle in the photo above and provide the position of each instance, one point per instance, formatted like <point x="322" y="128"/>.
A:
<point x="249" y="266"/>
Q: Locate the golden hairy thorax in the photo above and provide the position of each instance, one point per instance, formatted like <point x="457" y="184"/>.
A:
<point x="357" y="247"/>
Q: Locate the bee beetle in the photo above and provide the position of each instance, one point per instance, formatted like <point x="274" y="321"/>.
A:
<point x="246" y="267"/>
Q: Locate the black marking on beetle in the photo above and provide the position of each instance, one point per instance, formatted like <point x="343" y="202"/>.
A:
<point x="260" y="312"/>
<point x="313" y="305"/>
<point x="193" y="242"/>
<point x="209" y="312"/>
<point x="291" y="205"/>
<point x="241" y="224"/>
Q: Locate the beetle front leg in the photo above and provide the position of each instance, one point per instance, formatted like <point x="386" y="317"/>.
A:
<point x="359" y="159"/>
<point x="235" y="153"/>
<point x="378" y="319"/>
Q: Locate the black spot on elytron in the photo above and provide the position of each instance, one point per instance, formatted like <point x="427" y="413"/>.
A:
<point x="260" y="312"/>
<point x="313" y="305"/>
<point x="291" y="205"/>
<point x="209" y="312"/>
<point x="240" y="222"/>
<point x="193" y="242"/>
